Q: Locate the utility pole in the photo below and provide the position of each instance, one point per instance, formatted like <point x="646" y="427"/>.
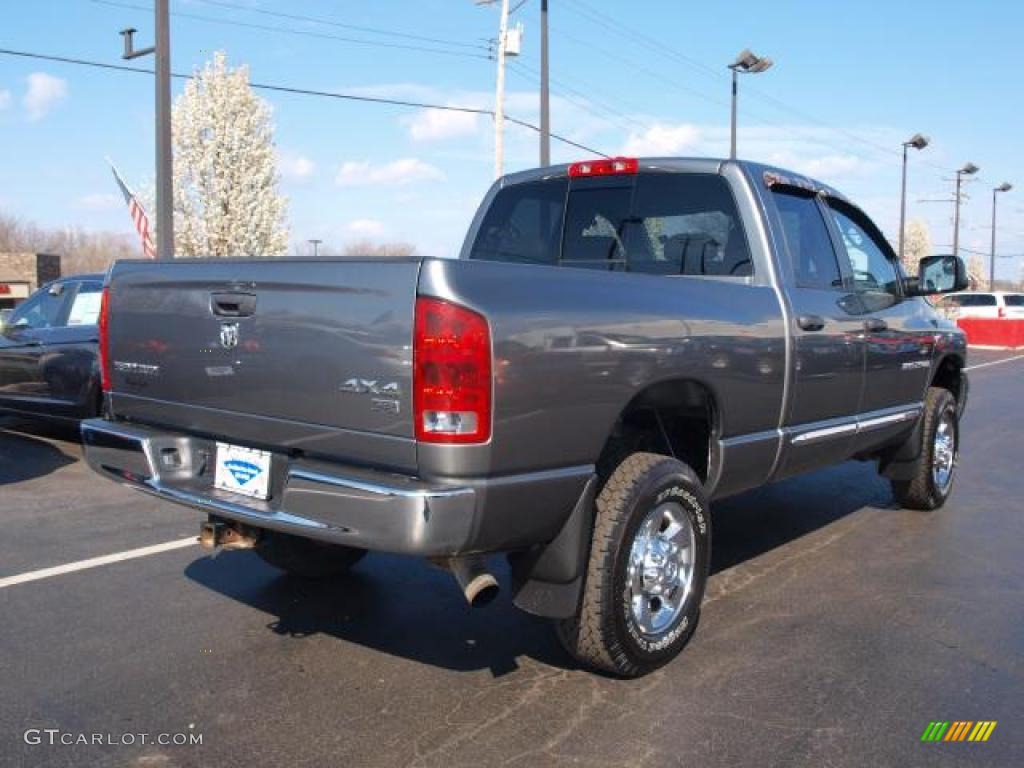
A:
<point x="164" y="171"/>
<point x="545" y="104"/>
<point x="968" y="170"/>
<point x="499" y="101"/>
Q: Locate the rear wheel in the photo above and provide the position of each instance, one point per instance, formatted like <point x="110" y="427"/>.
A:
<point x="648" y="568"/>
<point x="306" y="558"/>
<point x="933" y="472"/>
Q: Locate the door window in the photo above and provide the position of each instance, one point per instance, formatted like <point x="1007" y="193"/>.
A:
<point x="85" y="309"/>
<point x="872" y="262"/>
<point x="810" y="247"/>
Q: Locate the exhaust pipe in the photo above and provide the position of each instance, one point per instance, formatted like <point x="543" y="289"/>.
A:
<point x="216" y="533"/>
<point x="477" y="583"/>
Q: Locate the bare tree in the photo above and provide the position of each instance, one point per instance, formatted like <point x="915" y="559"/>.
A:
<point x="80" y="249"/>
<point x="370" y="248"/>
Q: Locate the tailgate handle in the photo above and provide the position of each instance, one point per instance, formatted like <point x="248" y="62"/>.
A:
<point x="233" y="304"/>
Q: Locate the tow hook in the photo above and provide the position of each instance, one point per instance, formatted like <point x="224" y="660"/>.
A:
<point x="216" y="533"/>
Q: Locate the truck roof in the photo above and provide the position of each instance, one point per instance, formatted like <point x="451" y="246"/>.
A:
<point x="756" y="171"/>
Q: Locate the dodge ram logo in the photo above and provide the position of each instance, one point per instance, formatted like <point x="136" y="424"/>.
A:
<point x="229" y="335"/>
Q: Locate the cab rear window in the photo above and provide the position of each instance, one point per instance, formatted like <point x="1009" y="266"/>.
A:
<point x="656" y="223"/>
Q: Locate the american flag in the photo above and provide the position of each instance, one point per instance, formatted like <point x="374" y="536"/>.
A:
<point x="138" y="214"/>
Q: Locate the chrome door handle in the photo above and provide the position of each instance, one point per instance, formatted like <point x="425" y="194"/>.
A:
<point x="875" y="325"/>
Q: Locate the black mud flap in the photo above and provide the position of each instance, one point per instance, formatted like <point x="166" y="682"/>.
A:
<point x="548" y="581"/>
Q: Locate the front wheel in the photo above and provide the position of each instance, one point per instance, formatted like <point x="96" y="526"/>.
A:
<point x="648" y="568"/>
<point x="933" y="471"/>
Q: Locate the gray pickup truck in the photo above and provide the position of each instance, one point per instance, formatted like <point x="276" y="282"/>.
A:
<point x="620" y="343"/>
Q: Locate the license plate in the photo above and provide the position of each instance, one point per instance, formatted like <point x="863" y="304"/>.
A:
<point x="242" y="470"/>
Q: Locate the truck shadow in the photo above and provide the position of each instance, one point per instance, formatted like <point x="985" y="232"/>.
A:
<point x="406" y="608"/>
<point x="26" y="453"/>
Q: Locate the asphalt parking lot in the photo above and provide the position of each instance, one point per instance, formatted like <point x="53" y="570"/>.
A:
<point x="835" y="629"/>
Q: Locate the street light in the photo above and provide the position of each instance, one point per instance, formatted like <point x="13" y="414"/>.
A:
<point x="750" y="64"/>
<point x="917" y="141"/>
<point x="316" y="246"/>
<point x="968" y="170"/>
<point x="1004" y="187"/>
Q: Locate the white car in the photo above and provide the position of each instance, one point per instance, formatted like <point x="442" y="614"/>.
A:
<point x="992" y="304"/>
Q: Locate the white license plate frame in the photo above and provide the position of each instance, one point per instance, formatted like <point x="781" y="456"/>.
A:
<point x="241" y="470"/>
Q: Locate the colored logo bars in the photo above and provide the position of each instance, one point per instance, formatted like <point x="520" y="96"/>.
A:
<point x="959" y="730"/>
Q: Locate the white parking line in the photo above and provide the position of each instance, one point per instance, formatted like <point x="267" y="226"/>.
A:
<point x="95" y="562"/>
<point x="994" y="362"/>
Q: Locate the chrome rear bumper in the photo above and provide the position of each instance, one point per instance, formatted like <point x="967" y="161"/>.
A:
<point x="341" y="504"/>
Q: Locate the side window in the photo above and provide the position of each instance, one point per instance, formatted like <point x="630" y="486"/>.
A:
<point x="85" y="310"/>
<point x="595" y="227"/>
<point x="40" y="311"/>
<point x="814" y="259"/>
<point x="1014" y="300"/>
<point x="874" y="271"/>
<point x="686" y="224"/>
<point x="523" y="224"/>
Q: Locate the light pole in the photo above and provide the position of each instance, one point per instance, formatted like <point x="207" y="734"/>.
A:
<point x="545" y="104"/>
<point x="917" y="141"/>
<point x="1004" y="187"/>
<point x="749" y="64"/>
<point x="968" y="170"/>
<point x="164" y="177"/>
<point x="316" y="246"/>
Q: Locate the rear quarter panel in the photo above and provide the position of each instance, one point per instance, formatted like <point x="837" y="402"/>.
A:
<point x="573" y="347"/>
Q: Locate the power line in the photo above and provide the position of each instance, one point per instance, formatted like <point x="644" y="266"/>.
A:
<point x="607" y="22"/>
<point x="339" y="25"/>
<point x="302" y="33"/>
<point x="304" y="92"/>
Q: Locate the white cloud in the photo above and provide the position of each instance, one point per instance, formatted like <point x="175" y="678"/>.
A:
<point x="366" y="228"/>
<point x="99" y="201"/>
<point x="295" y="166"/>
<point x="5" y="100"/>
<point x="408" y="170"/>
<point x="439" y="124"/>
<point x="44" y="93"/>
<point x="661" y="140"/>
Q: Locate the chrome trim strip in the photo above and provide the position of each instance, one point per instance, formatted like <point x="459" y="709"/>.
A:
<point x="860" y="424"/>
<point x="884" y="421"/>
<point x="824" y="434"/>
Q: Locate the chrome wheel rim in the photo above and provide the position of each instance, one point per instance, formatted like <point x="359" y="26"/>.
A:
<point x="944" y="453"/>
<point x="660" y="574"/>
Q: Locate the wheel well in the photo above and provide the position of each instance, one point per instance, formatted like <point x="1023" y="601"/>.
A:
<point x="948" y="375"/>
<point x="675" y="418"/>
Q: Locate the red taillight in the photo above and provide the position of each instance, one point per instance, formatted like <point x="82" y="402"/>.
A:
<point x="104" y="328"/>
<point x="451" y="373"/>
<point x="612" y="167"/>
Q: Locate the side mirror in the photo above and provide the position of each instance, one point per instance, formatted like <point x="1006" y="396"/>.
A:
<point x="939" y="274"/>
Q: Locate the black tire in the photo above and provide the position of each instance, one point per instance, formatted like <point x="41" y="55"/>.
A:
<point x="604" y="634"/>
<point x="306" y="558"/>
<point x="923" y="491"/>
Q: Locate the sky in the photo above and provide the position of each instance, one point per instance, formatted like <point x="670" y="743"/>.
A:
<point x="851" y="82"/>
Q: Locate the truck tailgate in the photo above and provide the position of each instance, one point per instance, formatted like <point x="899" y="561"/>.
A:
<point x="308" y="355"/>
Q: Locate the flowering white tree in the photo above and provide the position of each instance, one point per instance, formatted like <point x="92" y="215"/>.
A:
<point x="226" y="201"/>
<point x="917" y="243"/>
